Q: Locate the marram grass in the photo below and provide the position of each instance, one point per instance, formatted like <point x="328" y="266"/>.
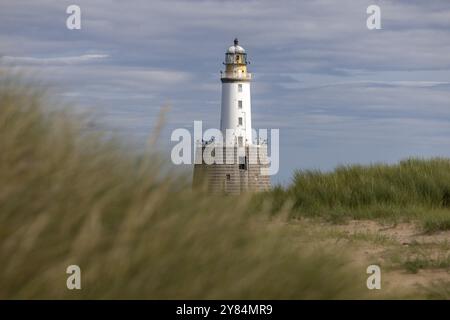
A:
<point x="414" y="189"/>
<point x="69" y="196"/>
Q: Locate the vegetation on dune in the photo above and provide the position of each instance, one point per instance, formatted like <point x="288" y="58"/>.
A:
<point x="411" y="189"/>
<point x="70" y="196"/>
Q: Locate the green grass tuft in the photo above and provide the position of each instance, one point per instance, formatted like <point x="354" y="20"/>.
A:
<point x="413" y="189"/>
<point x="436" y="221"/>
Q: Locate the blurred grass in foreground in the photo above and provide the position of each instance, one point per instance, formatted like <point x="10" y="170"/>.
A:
<point x="68" y="196"/>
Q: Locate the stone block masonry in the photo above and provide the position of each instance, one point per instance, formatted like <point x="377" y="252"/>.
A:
<point x="235" y="171"/>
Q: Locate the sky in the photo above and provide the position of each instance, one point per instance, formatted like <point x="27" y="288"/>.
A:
<point x="338" y="92"/>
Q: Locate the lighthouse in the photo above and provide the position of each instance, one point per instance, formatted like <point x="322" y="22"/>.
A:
<point x="236" y="115"/>
<point x="234" y="164"/>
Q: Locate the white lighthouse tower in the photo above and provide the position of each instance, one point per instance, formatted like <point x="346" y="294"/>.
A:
<point x="239" y="165"/>
<point x="236" y="113"/>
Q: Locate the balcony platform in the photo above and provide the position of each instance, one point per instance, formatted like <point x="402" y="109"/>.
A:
<point x="235" y="76"/>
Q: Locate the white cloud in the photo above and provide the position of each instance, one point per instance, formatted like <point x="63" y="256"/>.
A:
<point x="52" y="60"/>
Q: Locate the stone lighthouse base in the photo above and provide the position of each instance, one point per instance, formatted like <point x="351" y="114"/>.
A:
<point x="231" y="169"/>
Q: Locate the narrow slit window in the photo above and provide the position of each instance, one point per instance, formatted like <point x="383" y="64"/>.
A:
<point x="240" y="121"/>
<point x="240" y="104"/>
<point x="243" y="163"/>
<point x="240" y="87"/>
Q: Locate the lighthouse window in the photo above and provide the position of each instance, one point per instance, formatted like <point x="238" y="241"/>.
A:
<point x="240" y="90"/>
<point x="228" y="177"/>
<point x="240" y="121"/>
<point x="240" y="104"/>
<point x="240" y="141"/>
<point x="243" y="163"/>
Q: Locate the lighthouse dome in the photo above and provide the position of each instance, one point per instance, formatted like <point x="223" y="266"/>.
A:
<point x="236" y="49"/>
